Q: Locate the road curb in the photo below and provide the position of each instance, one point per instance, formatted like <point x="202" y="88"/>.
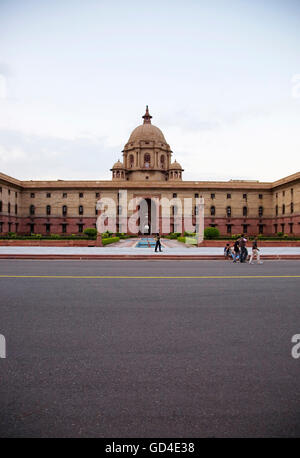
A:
<point x="141" y="257"/>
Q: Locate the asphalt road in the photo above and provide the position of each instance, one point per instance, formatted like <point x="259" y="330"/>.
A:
<point x="149" y="357"/>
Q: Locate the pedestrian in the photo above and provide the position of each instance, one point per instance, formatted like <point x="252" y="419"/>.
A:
<point x="255" y="252"/>
<point x="227" y="251"/>
<point x="157" y="244"/>
<point x="236" y="250"/>
<point x="244" y="251"/>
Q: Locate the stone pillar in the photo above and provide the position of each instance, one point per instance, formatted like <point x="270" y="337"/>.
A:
<point x="200" y="221"/>
<point x="99" y="239"/>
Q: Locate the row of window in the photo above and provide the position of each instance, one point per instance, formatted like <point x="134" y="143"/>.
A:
<point x="16" y="194"/>
<point x="64" y="195"/>
<point x="283" y="193"/>
<point x="8" y="207"/>
<point x="283" y="209"/>
<point x="64" y="210"/>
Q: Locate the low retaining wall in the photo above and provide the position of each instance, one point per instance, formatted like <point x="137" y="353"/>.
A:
<point x="260" y="243"/>
<point x="47" y="243"/>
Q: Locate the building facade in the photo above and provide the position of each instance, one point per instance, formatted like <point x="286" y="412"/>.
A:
<point x="147" y="171"/>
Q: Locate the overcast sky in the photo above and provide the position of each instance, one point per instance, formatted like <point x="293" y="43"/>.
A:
<point x="221" y="78"/>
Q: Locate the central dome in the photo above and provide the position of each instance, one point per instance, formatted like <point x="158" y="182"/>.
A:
<point x="146" y="131"/>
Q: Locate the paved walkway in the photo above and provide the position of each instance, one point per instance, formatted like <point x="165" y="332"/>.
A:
<point x="120" y="249"/>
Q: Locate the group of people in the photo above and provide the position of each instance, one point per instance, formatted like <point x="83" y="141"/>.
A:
<point x="239" y="253"/>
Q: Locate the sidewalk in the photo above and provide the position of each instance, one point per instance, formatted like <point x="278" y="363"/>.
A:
<point x="123" y="251"/>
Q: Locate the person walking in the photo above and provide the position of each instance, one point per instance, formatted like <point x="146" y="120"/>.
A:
<point x="255" y="252"/>
<point x="236" y="250"/>
<point x="244" y="251"/>
<point x="157" y="244"/>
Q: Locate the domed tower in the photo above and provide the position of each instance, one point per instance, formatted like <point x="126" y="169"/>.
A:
<point x="146" y="155"/>
<point x="118" y="171"/>
<point x="175" y="171"/>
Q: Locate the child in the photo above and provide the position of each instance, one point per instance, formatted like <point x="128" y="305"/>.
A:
<point x="227" y="251"/>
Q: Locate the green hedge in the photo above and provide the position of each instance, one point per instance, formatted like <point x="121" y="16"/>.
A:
<point x="109" y="240"/>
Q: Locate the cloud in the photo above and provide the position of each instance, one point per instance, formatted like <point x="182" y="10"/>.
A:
<point x="47" y="157"/>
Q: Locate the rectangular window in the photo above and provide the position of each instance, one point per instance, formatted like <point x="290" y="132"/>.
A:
<point x="228" y="196"/>
<point x="32" y="228"/>
<point x="48" y="194"/>
<point x="16" y="194"/>
<point x="260" y="196"/>
<point x="291" y="228"/>
<point x="97" y="195"/>
<point x="282" y="227"/>
<point x="260" y="228"/>
<point x="65" y="195"/>
<point x="275" y="228"/>
<point x="245" y="228"/>
<point x="80" y="228"/>
<point x="48" y="228"/>
<point x="32" y="195"/>
<point x="16" y="209"/>
<point x="9" y="227"/>
<point x="229" y="228"/>
<point x="244" y="196"/>
<point x="1" y="226"/>
<point x="64" y="228"/>
<point x="212" y="196"/>
<point x="81" y="194"/>
<point x="174" y="195"/>
<point x="196" y="196"/>
<point x="17" y="227"/>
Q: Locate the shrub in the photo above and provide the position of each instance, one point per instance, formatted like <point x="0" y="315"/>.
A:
<point x="174" y="235"/>
<point x="189" y="234"/>
<point x="279" y="234"/>
<point x="55" y="236"/>
<point x="110" y="240"/>
<point x="181" y="239"/>
<point x="90" y="232"/>
<point x="13" y="235"/>
<point x="211" y="233"/>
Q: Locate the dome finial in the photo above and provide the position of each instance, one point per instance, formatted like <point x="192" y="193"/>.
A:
<point x="147" y="117"/>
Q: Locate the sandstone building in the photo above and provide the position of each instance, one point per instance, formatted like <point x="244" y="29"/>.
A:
<point x="147" y="171"/>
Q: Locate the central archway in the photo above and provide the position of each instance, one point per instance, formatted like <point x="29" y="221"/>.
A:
<point x="149" y="216"/>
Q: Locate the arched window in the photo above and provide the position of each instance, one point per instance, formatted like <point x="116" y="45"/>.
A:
<point x="260" y="211"/>
<point x="131" y="160"/>
<point x="228" y="211"/>
<point x="64" y="210"/>
<point x="80" y="209"/>
<point x="48" y="210"/>
<point x="147" y="160"/>
<point x="31" y="209"/>
<point x="212" y="210"/>
<point x="245" y="211"/>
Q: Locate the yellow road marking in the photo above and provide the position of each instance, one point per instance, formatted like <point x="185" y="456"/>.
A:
<point x="137" y="277"/>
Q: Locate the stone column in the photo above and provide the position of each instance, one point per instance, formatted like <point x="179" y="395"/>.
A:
<point x="200" y="221"/>
<point x="99" y="239"/>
